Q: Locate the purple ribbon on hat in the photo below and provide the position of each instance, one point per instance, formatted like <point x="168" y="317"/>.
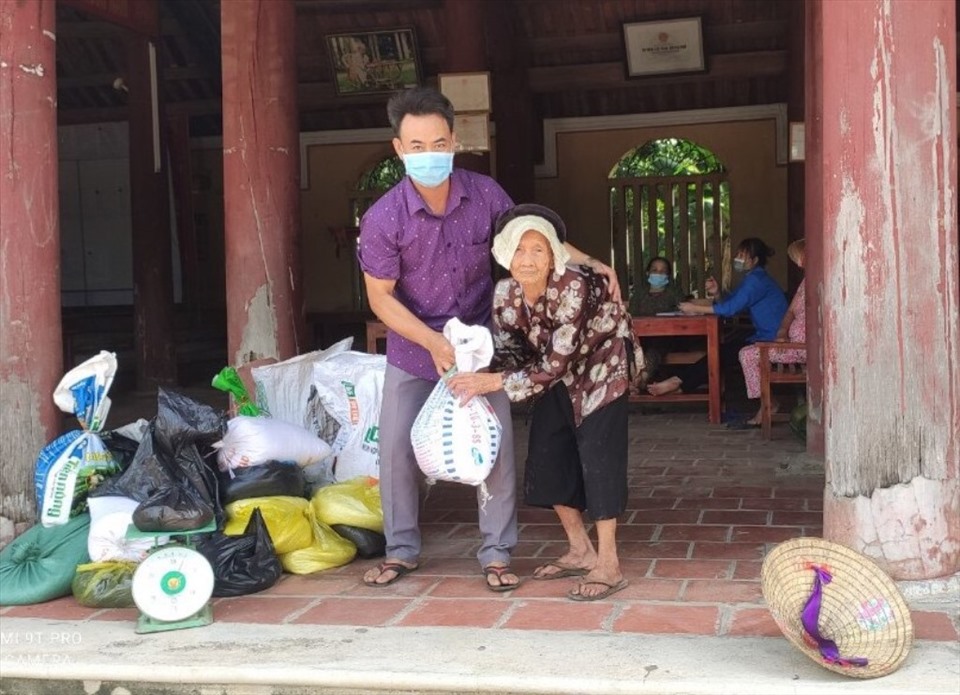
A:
<point x="810" y="617"/>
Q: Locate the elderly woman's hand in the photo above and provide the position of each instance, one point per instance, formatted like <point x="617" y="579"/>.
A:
<point x="466" y="385"/>
<point x="613" y="282"/>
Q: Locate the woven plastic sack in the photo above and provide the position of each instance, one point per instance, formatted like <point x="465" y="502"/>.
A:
<point x="453" y="442"/>
<point x="282" y="389"/>
<point x="328" y="550"/>
<point x="287" y="520"/>
<point x="348" y="388"/>
<point x="39" y="564"/>
<point x="73" y="464"/>
<point x="353" y="503"/>
<point x="104" y="584"/>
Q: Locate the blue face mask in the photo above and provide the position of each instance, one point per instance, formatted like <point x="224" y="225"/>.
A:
<point x="739" y="265"/>
<point x="429" y="169"/>
<point x="658" y="280"/>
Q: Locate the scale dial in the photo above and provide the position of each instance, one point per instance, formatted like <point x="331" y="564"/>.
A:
<point x="172" y="583"/>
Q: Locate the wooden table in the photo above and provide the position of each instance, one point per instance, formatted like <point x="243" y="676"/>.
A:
<point x="705" y="325"/>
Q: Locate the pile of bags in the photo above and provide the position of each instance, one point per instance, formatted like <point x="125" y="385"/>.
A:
<point x="235" y="488"/>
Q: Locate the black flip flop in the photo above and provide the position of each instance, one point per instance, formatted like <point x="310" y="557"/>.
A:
<point x="388" y="566"/>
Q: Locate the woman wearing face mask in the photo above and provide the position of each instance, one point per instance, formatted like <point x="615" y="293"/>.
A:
<point x="793" y="328"/>
<point x="758" y="293"/>
<point x="657" y="295"/>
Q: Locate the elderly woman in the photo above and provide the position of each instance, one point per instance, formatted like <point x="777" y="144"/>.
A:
<point x="561" y="340"/>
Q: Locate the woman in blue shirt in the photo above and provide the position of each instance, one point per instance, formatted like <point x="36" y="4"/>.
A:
<point x="758" y="293"/>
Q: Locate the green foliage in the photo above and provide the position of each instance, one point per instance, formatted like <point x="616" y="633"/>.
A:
<point x="383" y="175"/>
<point x="667" y="157"/>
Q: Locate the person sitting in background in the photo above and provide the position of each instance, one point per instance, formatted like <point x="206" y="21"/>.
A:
<point x="758" y="293"/>
<point x="659" y="294"/>
<point x="793" y="328"/>
<point x="562" y="339"/>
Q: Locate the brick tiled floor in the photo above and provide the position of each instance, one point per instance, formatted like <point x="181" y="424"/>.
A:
<point x="705" y="505"/>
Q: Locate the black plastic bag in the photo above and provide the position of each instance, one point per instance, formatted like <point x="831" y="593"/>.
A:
<point x="182" y="421"/>
<point x="173" y="508"/>
<point x="242" y="564"/>
<point x="122" y="448"/>
<point x="168" y="471"/>
<point x="269" y="479"/>
<point x="369" y="543"/>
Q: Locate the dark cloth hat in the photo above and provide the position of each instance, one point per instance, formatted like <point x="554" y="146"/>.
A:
<point x="525" y="209"/>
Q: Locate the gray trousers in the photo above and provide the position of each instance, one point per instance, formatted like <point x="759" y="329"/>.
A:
<point x="403" y="397"/>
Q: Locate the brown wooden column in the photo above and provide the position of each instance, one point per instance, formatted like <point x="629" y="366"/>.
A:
<point x="260" y="170"/>
<point x="31" y="351"/>
<point x="150" y="218"/>
<point x="795" y="113"/>
<point x="512" y="101"/>
<point x="884" y="96"/>
<point x="178" y="128"/>
<point x="813" y="215"/>
<point x="466" y="52"/>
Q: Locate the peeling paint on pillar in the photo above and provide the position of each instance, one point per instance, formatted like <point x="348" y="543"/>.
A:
<point x="30" y="336"/>
<point x="261" y="192"/>
<point x="260" y="332"/>
<point x="889" y="294"/>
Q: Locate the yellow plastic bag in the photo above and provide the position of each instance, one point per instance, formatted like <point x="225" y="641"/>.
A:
<point x="328" y="550"/>
<point x="104" y="584"/>
<point x="353" y="502"/>
<point x="287" y="519"/>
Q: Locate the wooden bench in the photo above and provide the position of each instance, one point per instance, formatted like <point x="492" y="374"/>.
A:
<point x="776" y="373"/>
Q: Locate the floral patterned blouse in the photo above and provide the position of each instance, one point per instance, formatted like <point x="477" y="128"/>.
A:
<point x="574" y="333"/>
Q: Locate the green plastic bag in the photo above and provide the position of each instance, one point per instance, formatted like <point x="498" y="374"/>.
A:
<point x="39" y="564"/>
<point x="228" y="380"/>
<point x="104" y="584"/>
<point x="353" y="503"/>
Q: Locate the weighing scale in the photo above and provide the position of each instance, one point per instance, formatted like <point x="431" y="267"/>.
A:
<point x="173" y="585"/>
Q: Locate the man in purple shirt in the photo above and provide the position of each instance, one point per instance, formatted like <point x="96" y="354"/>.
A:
<point x="425" y="254"/>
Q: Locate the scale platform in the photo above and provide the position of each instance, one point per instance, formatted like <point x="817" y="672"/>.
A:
<point x="173" y="585"/>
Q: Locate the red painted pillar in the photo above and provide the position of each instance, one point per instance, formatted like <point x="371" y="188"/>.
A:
<point x="889" y="293"/>
<point x="31" y="352"/>
<point x="260" y="170"/>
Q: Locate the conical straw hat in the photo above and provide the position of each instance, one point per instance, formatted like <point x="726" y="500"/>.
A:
<point x="860" y="610"/>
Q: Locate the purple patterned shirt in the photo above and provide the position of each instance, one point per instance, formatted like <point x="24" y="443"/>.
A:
<point x="441" y="262"/>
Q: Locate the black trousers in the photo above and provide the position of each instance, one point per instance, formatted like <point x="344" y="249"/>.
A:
<point x="581" y="467"/>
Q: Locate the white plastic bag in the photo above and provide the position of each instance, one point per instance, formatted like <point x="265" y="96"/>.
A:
<point x="73" y="464"/>
<point x="110" y="517"/>
<point x="453" y="442"/>
<point x="283" y="389"/>
<point x="345" y="411"/>
<point x="254" y="440"/>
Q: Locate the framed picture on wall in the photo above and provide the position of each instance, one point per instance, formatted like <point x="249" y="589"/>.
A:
<point x="472" y="131"/>
<point x="655" y="48"/>
<point x="467" y="91"/>
<point x="374" y="61"/>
